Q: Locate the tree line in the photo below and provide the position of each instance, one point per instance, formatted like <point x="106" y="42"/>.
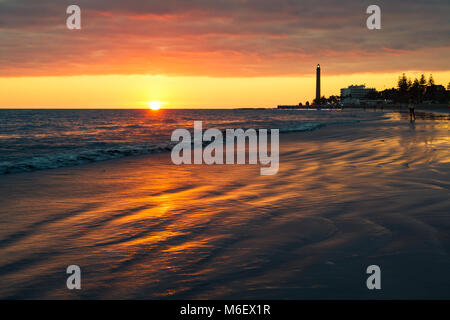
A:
<point x="415" y="91"/>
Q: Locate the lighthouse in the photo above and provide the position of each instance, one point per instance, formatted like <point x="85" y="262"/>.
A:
<point x="318" y="84"/>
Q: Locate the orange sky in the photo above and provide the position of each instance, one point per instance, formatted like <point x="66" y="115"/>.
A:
<point x="223" y="53"/>
<point x="135" y="91"/>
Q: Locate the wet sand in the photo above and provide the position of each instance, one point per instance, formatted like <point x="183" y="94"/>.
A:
<point x="345" y="197"/>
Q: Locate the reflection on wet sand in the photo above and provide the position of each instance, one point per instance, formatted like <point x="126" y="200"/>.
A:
<point x="345" y="197"/>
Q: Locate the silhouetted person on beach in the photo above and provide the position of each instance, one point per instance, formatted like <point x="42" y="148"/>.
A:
<point x="412" y="114"/>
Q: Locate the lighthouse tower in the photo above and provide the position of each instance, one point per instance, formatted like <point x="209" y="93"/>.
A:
<point x="318" y="84"/>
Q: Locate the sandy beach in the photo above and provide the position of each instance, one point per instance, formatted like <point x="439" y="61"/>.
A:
<point x="346" y="196"/>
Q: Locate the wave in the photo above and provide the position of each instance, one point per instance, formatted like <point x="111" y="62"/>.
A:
<point x="309" y="126"/>
<point x="78" y="157"/>
<point x="84" y="156"/>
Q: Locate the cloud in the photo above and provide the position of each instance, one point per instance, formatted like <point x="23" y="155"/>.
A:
<point x="221" y="37"/>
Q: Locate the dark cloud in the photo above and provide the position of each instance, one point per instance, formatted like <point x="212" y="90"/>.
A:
<point x="221" y="37"/>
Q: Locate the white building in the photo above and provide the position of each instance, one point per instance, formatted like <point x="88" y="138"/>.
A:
<point x="354" y="94"/>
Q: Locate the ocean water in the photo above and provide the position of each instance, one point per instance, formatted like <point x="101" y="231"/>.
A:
<point x="354" y="192"/>
<point x="44" y="139"/>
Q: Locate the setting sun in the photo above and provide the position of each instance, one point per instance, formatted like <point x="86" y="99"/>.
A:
<point x="155" y="105"/>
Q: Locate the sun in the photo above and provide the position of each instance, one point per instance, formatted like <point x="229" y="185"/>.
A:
<point x="155" y="105"/>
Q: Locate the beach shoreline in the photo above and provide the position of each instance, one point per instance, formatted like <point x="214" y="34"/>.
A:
<point x="347" y="196"/>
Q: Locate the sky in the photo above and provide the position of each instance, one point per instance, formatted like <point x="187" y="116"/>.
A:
<point x="212" y="53"/>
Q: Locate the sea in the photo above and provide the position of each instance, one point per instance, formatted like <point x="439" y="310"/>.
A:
<point x="97" y="189"/>
<point x="41" y="139"/>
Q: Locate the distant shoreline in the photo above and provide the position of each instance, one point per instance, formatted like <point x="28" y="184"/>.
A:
<point x="419" y="107"/>
<point x="423" y="107"/>
<point x="438" y="108"/>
